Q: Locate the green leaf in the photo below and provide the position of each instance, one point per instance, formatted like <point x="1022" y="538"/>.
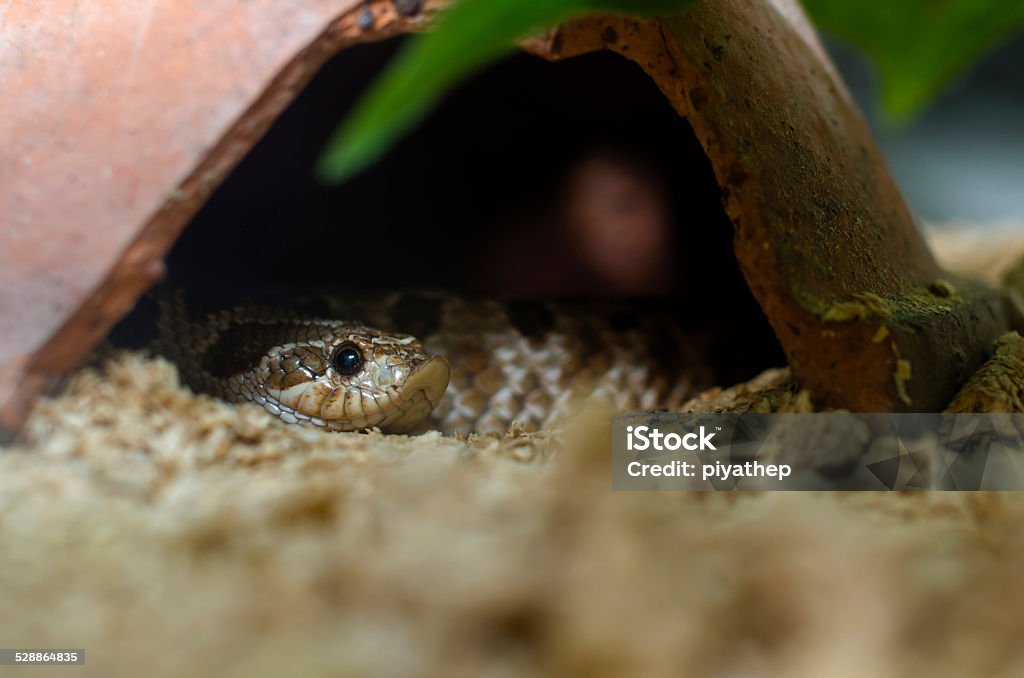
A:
<point x="468" y="35"/>
<point x="919" y="45"/>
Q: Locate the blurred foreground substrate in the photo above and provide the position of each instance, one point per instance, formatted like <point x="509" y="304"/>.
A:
<point x="170" y="534"/>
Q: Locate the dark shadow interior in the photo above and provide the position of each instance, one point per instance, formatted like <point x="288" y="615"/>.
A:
<point x="495" y="193"/>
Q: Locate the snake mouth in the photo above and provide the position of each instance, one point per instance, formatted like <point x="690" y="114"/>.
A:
<point x="395" y="409"/>
<point x="420" y="394"/>
<point x="431" y="378"/>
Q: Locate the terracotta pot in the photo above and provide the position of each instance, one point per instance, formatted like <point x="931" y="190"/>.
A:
<point x="119" y="121"/>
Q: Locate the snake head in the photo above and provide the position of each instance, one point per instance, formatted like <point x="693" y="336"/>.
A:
<point x="353" y="379"/>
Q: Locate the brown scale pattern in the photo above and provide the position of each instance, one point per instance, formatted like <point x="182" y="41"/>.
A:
<point x="528" y="362"/>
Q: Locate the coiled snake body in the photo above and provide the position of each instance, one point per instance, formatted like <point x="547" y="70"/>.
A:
<point x="413" y="361"/>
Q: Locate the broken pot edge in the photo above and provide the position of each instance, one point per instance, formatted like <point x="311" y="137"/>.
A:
<point x="818" y="219"/>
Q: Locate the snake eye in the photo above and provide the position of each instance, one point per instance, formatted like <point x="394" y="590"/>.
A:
<point x="347" y="360"/>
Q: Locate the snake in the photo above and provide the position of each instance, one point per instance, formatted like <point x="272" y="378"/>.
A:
<point x="413" y="361"/>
